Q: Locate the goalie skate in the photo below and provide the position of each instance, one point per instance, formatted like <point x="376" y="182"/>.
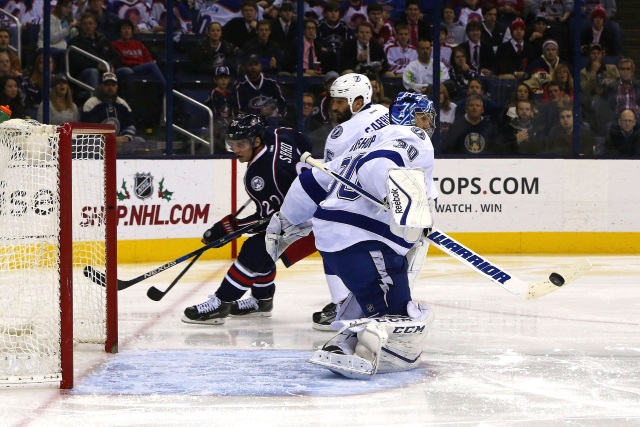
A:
<point x="350" y="366"/>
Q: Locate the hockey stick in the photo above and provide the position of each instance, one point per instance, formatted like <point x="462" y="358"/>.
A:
<point x="474" y="261"/>
<point x="99" y="277"/>
<point x="156" y="294"/>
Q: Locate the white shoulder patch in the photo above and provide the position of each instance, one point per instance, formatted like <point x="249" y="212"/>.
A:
<point x="419" y="132"/>
<point x="336" y="132"/>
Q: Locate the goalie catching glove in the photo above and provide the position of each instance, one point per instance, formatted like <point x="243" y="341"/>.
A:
<point x="281" y="233"/>
<point x="224" y="227"/>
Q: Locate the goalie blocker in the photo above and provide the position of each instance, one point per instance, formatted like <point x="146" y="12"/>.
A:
<point x="384" y="344"/>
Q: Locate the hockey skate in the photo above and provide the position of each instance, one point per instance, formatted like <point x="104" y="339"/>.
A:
<point x="322" y="319"/>
<point x="252" y="307"/>
<point x="211" y="312"/>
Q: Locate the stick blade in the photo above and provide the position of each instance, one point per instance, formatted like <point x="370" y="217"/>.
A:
<point x="99" y="278"/>
<point x="155" y="294"/>
<point x="569" y="274"/>
<point x="95" y="276"/>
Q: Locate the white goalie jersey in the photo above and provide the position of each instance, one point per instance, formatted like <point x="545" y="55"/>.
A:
<point x="338" y="210"/>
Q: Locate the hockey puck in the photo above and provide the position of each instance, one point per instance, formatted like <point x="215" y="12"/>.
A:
<point x="556" y="279"/>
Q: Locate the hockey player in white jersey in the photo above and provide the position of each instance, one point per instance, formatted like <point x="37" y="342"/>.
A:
<point x="380" y="328"/>
<point x="351" y="105"/>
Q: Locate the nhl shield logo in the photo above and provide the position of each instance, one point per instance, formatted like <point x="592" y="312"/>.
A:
<point x="143" y="185"/>
<point x="257" y="183"/>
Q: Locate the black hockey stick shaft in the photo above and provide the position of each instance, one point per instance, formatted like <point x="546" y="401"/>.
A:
<point x="156" y="294"/>
<point x="100" y="278"/>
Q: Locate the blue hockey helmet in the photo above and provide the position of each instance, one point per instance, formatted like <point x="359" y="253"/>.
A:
<point x="244" y="130"/>
<point x="246" y="127"/>
<point x="404" y="109"/>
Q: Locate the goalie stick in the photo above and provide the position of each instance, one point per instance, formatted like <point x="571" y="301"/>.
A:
<point x="472" y="260"/>
<point x="156" y="294"/>
<point x="99" y="277"/>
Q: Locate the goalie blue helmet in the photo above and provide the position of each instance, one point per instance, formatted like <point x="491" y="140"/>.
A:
<point x="407" y="106"/>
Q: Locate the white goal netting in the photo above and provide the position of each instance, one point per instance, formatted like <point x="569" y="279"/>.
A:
<point x="30" y="187"/>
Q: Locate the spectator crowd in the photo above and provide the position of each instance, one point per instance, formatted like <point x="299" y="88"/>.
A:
<point x="505" y="67"/>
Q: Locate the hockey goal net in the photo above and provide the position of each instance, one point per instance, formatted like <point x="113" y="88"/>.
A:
<point x="57" y="215"/>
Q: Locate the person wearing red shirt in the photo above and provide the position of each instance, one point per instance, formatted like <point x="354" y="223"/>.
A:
<point x="134" y="54"/>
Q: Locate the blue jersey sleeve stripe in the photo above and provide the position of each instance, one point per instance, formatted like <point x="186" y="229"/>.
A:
<point x="361" y="221"/>
<point x="311" y="187"/>
<point x="394" y="156"/>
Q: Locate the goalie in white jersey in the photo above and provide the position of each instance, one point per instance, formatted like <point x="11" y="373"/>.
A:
<point x="351" y="105"/>
<point x="381" y="328"/>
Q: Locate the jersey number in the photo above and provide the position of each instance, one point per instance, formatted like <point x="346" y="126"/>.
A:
<point x="347" y="169"/>
<point x="268" y="210"/>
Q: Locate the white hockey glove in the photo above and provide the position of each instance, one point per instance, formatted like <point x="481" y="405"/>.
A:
<point x="281" y="233"/>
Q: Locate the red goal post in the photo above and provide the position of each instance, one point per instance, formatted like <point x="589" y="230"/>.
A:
<point x="57" y="215"/>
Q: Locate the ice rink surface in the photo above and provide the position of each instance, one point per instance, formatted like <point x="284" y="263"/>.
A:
<point x="570" y="358"/>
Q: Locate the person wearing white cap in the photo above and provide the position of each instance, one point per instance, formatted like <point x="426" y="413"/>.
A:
<point x="541" y="69"/>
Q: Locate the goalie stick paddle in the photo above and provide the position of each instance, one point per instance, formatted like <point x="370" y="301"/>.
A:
<point x="472" y="260"/>
<point x="156" y="294"/>
<point x="100" y="278"/>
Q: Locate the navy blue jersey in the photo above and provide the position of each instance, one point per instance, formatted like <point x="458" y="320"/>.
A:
<point x="251" y="98"/>
<point x="220" y="103"/>
<point x="273" y="169"/>
<point x="333" y="37"/>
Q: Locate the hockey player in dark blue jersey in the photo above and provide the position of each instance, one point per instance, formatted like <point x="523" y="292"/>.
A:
<point x="273" y="155"/>
<point x="258" y="94"/>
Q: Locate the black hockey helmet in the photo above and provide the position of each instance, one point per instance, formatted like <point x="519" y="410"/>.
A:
<point x="246" y="127"/>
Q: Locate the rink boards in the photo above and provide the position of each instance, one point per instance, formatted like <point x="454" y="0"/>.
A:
<point x="492" y="205"/>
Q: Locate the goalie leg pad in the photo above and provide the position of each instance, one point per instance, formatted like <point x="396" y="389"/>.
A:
<point x="415" y="258"/>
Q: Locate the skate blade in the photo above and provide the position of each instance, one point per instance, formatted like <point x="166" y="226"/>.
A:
<point x="323" y="328"/>
<point x="247" y="316"/>
<point x="219" y="321"/>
